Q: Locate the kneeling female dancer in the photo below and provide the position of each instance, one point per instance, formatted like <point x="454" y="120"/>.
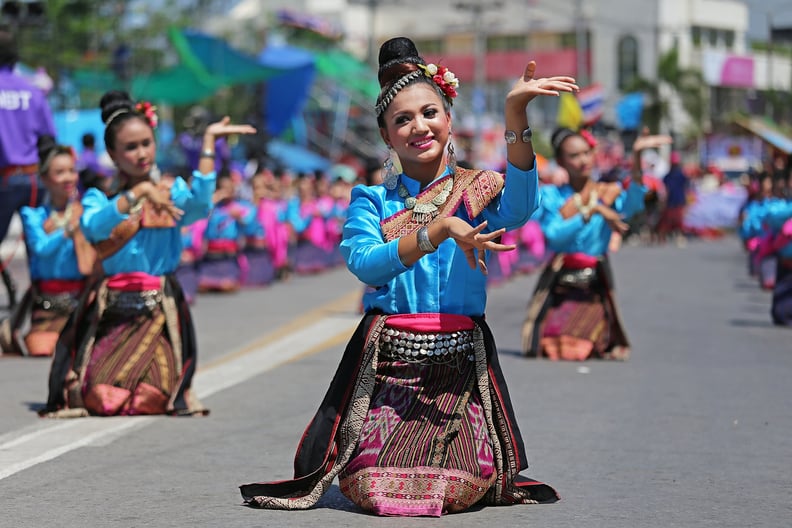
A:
<point x="417" y="420"/>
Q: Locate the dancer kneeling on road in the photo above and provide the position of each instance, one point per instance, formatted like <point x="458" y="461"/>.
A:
<point x="130" y="348"/>
<point x="60" y="259"/>
<point x="417" y="420"/>
<point x="572" y="314"/>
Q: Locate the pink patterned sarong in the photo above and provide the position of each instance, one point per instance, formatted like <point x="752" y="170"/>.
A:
<point x="424" y="448"/>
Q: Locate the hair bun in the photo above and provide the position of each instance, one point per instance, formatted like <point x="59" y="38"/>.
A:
<point x="113" y="101"/>
<point x="44" y="146"/>
<point x="559" y="136"/>
<point x="397" y="48"/>
<point x="395" y="51"/>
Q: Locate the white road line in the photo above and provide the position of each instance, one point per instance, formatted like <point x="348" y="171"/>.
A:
<point x="29" y="446"/>
<point x="225" y="375"/>
<point x="46" y="447"/>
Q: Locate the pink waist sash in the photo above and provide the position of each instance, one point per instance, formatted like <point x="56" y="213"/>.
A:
<point x="222" y="246"/>
<point x="134" y="281"/>
<point x="579" y="261"/>
<point x="56" y="286"/>
<point x="430" y="322"/>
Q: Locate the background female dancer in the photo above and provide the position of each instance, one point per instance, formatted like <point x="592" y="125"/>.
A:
<point x="417" y="420"/>
<point x="572" y="314"/>
<point x="59" y="257"/>
<point x="130" y="348"/>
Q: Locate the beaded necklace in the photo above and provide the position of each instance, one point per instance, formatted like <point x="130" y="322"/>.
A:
<point x="587" y="209"/>
<point x="62" y="219"/>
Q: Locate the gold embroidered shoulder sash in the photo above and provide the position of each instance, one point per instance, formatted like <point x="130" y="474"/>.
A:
<point x="475" y="188"/>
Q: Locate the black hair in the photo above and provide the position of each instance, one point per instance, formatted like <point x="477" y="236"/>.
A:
<point x="398" y="57"/>
<point x="9" y="50"/>
<point x="89" y="179"/>
<point x="47" y="149"/>
<point x="224" y="174"/>
<point x="88" y="140"/>
<point x="117" y="108"/>
<point x="560" y="135"/>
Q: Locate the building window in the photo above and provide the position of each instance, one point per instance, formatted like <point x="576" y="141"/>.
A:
<point x="568" y="40"/>
<point x="627" y="60"/>
<point x="695" y="35"/>
<point x="430" y="46"/>
<point x="728" y="38"/>
<point x="712" y="37"/>
<point x="506" y="43"/>
<point x="543" y="41"/>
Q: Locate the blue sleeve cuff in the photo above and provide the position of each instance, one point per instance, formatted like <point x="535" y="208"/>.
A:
<point x="512" y="170"/>
<point x="397" y="266"/>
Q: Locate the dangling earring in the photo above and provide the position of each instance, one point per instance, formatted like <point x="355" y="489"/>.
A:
<point x="451" y="160"/>
<point x="392" y="169"/>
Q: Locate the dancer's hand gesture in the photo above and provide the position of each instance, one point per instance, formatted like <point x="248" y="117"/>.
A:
<point x="650" y="141"/>
<point x="613" y="219"/>
<point x="224" y="127"/>
<point x="527" y="87"/>
<point x="160" y="199"/>
<point x="473" y="242"/>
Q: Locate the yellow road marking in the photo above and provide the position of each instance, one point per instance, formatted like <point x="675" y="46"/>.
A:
<point x="341" y="304"/>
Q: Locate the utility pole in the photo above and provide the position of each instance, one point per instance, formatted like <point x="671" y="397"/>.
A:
<point x="770" y="83"/>
<point x="477" y="10"/>
<point x="581" y="45"/>
<point x="371" y="45"/>
<point x="371" y="54"/>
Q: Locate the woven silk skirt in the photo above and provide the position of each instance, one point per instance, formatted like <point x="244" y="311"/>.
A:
<point x="782" y="294"/>
<point x="50" y="310"/>
<point x="424" y="448"/>
<point x="219" y="272"/>
<point x="572" y="315"/>
<point x="132" y="369"/>
<point x="260" y="267"/>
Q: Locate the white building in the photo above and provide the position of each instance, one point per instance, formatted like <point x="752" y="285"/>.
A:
<point x="608" y="42"/>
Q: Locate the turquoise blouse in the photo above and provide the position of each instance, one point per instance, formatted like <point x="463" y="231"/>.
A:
<point x="155" y="251"/>
<point x="438" y="282"/>
<point x="755" y="216"/>
<point x="223" y="226"/>
<point x="50" y="255"/>
<point x="574" y="234"/>
<point x="778" y="213"/>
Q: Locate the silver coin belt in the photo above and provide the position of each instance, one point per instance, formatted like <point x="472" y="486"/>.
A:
<point x="133" y="302"/>
<point x="422" y="348"/>
<point x="61" y="302"/>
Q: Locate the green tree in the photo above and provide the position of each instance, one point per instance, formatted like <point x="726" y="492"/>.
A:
<point x="80" y="39"/>
<point x="685" y="83"/>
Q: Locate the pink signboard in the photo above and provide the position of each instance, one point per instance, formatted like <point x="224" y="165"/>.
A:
<point x="738" y="72"/>
<point x="724" y="69"/>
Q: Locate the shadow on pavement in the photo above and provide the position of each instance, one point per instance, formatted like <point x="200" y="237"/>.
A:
<point x="35" y="406"/>
<point x="752" y="323"/>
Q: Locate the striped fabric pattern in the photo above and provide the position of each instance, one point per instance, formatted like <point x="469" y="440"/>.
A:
<point x="424" y="448"/>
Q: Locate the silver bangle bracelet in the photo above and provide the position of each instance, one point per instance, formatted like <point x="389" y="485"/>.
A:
<point x="424" y="244"/>
<point x="132" y="200"/>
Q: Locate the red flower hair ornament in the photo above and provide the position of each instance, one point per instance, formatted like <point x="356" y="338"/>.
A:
<point x="443" y="77"/>
<point x="589" y="137"/>
<point x="149" y="111"/>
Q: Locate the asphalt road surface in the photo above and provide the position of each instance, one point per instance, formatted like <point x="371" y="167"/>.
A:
<point x="694" y="430"/>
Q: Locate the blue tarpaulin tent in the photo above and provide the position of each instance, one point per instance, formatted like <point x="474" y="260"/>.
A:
<point x="297" y="158"/>
<point x="285" y="98"/>
<point x="70" y="125"/>
<point x="206" y="64"/>
<point x="768" y="133"/>
<point x="629" y="110"/>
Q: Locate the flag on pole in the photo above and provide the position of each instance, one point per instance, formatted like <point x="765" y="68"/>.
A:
<point x="629" y="110"/>
<point x="570" y="115"/>
<point x="592" y="102"/>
